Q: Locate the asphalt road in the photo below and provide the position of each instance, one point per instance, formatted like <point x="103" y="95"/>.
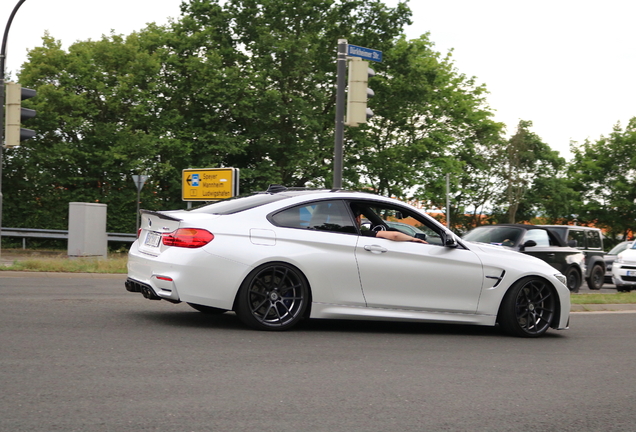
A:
<point x="82" y="354"/>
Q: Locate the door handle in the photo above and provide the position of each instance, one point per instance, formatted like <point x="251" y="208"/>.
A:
<point x="376" y="249"/>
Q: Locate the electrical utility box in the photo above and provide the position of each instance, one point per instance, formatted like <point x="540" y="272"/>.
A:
<point x="87" y="230"/>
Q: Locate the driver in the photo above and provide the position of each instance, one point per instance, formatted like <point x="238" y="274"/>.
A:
<point x="389" y="235"/>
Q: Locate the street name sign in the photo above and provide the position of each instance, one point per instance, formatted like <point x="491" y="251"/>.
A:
<point x="365" y="53"/>
<point x="209" y="184"/>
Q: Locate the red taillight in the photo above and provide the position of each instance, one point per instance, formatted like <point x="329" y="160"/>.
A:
<point x="138" y="232"/>
<point x="188" y="238"/>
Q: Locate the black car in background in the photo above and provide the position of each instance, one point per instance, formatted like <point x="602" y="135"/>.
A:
<point x="588" y="240"/>
<point x="537" y="241"/>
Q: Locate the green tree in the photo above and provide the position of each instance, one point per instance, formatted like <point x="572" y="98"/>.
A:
<point x="603" y="172"/>
<point x="247" y="84"/>
<point x="530" y="174"/>
<point x="429" y="118"/>
<point x="95" y="129"/>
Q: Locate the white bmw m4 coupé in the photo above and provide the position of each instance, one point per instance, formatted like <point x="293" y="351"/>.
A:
<point x="280" y="256"/>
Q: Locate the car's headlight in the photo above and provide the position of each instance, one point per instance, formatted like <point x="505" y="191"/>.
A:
<point x="619" y="260"/>
<point x="561" y="278"/>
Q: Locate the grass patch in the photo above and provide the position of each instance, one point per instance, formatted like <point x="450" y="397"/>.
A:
<point x="618" y="298"/>
<point x="115" y="263"/>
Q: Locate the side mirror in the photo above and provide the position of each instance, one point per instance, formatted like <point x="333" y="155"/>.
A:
<point x="529" y="243"/>
<point x="421" y="236"/>
<point x="449" y="239"/>
<point x="572" y="243"/>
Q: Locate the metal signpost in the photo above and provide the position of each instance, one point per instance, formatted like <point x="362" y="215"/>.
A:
<point x="344" y="51"/>
<point x="3" y="56"/>
<point x="139" y="183"/>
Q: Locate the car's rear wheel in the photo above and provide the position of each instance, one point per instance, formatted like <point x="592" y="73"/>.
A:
<point x="209" y="310"/>
<point x="528" y="308"/>
<point x="573" y="279"/>
<point x="273" y="297"/>
<point x="595" y="281"/>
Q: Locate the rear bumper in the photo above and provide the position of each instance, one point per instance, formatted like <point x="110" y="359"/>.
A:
<point x="139" y="287"/>
<point x="185" y="275"/>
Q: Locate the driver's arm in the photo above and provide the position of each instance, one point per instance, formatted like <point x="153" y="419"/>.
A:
<point x="398" y="236"/>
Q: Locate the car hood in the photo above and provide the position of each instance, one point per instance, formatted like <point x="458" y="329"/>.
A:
<point x="628" y="255"/>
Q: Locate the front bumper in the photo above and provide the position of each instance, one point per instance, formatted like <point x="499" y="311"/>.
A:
<point x="624" y="273"/>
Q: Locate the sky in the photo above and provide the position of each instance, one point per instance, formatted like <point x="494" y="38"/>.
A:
<point x="569" y="66"/>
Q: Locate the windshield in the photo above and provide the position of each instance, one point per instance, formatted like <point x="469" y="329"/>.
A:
<point x="503" y="236"/>
<point x="619" y="248"/>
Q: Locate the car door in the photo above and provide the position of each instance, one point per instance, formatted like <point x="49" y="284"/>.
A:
<point x="319" y="237"/>
<point x="416" y="276"/>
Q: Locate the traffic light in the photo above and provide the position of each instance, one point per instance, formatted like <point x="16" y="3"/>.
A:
<point x="15" y="114"/>
<point x="358" y="92"/>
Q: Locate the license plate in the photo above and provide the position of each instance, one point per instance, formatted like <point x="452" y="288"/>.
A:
<point x="631" y="272"/>
<point x="152" y="239"/>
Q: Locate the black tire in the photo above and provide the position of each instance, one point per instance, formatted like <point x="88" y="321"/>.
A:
<point x="573" y="279"/>
<point x="273" y="297"/>
<point x="596" y="279"/>
<point x="208" y="310"/>
<point x="528" y="308"/>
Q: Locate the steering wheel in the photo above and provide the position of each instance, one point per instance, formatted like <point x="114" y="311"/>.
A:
<point x="379" y="227"/>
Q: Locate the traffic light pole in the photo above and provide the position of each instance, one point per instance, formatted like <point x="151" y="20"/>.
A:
<point x="341" y="85"/>
<point x="3" y="57"/>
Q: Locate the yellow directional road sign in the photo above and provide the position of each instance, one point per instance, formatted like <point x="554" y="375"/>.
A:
<point x="209" y="184"/>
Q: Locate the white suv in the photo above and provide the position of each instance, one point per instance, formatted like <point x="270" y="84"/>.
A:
<point x="624" y="269"/>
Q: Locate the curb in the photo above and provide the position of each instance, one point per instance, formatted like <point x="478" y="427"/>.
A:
<point x="49" y="275"/>
<point x="626" y="307"/>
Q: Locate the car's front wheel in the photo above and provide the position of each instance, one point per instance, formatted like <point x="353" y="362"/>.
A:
<point x="528" y="308"/>
<point x="273" y="297"/>
<point x="595" y="281"/>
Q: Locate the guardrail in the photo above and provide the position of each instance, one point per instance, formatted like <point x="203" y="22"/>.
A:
<point x="25" y="233"/>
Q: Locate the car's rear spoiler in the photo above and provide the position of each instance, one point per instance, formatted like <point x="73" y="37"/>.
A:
<point x="160" y="215"/>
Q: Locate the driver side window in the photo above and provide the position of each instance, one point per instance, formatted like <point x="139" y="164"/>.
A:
<point x="379" y="218"/>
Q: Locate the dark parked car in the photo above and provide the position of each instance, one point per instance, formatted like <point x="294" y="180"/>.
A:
<point x="589" y="241"/>
<point x="537" y="241"/>
<point x="610" y="257"/>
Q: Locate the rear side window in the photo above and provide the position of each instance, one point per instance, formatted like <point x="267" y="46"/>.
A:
<point x="593" y="239"/>
<point x="329" y="216"/>
<point x="579" y="236"/>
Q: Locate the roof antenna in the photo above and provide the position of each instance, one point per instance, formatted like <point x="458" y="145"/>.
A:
<point x="275" y="188"/>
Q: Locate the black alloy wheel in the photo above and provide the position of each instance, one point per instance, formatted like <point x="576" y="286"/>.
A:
<point x="596" y="279"/>
<point x="528" y="308"/>
<point x="573" y="279"/>
<point x="273" y="297"/>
